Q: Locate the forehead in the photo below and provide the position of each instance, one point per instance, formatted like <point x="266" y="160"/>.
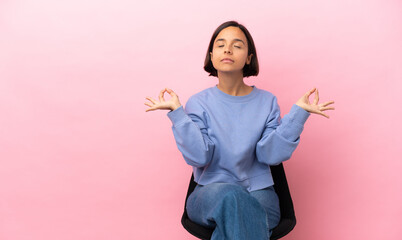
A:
<point x="231" y="34"/>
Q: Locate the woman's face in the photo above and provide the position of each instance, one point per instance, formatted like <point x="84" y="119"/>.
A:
<point x="230" y="43"/>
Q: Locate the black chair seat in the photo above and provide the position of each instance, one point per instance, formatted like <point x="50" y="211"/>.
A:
<point x="288" y="218"/>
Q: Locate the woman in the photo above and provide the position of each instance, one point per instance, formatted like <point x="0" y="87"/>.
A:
<point x="230" y="134"/>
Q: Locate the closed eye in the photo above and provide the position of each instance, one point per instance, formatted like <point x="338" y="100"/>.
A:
<point x="235" y="46"/>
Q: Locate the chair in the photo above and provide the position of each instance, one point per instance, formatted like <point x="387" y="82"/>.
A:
<point x="288" y="218"/>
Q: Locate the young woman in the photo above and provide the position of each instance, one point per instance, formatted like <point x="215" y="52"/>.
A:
<point x="230" y="134"/>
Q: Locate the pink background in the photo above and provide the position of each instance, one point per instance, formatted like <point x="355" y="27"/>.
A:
<point x="80" y="158"/>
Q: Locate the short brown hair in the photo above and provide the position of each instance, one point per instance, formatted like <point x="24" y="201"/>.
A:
<point x="248" y="69"/>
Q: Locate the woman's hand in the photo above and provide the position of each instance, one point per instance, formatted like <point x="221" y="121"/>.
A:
<point x="172" y="104"/>
<point x="316" y="108"/>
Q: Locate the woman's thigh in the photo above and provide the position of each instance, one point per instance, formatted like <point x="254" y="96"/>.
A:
<point x="268" y="198"/>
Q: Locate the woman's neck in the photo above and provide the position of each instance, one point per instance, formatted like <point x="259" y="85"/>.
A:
<point x="233" y="84"/>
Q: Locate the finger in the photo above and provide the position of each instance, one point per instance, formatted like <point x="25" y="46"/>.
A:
<point x="323" y="114"/>
<point x="150" y="109"/>
<point x="327" y="103"/>
<point x="161" y="99"/>
<point x="170" y="91"/>
<point x="327" y="108"/>
<point x="309" y="92"/>
<point x="151" y="99"/>
<point x="148" y="104"/>
<point x="316" y="97"/>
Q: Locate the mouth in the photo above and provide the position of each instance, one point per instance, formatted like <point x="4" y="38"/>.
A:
<point x="227" y="60"/>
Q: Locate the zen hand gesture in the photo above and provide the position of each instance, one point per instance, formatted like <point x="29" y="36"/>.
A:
<point x="172" y="104"/>
<point x="314" y="107"/>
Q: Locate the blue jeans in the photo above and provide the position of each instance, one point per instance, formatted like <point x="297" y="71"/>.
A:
<point x="235" y="213"/>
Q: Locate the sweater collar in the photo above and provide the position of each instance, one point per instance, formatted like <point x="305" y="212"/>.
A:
<point x="232" y="98"/>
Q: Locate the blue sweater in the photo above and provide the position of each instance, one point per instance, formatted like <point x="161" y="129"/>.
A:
<point x="234" y="139"/>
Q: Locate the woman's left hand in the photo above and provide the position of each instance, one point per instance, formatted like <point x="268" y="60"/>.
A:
<point x="314" y="107"/>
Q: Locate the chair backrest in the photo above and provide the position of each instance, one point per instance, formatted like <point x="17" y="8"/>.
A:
<point x="288" y="218"/>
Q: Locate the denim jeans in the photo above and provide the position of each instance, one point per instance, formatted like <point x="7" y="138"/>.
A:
<point x="235" y="213"/>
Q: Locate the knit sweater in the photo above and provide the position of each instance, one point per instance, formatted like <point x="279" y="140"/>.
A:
<point x="234" y="139"/>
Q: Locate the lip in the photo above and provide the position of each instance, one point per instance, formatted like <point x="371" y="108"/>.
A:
<point x="227" y="60"/>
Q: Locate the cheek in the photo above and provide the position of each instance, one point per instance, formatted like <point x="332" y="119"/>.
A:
<point x="214" y="55"/>
<point x="243" y="58"/>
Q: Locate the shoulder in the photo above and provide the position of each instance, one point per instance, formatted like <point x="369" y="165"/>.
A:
<point x="267" y="97"/>
<point x="199" y="101"/>
<point x="201" y="97"/>
<point x="202" y="94"/>
<point x="265" y="93"/>
<point x="270" y="100"/>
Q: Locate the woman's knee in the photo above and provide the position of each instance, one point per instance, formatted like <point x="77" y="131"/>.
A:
<point x="232" y="193"/>
<point x="212" y="193"/>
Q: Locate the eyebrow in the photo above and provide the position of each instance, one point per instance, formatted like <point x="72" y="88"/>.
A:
<point x="236" y="39"/>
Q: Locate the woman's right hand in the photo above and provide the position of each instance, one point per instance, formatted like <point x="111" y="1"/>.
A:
<point x="172" y="104"/>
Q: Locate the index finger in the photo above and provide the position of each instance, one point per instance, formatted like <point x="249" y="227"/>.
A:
<point x="161" y="95"/>
<point x="170" y="91"/>
<point x="316" y="99"/>
<point x="310" y="92"/>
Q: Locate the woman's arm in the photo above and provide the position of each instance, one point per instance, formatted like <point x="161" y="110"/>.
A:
<point x="189" y="128"/>
<point x="281" y="136"/>
<point x="191" y="134"/>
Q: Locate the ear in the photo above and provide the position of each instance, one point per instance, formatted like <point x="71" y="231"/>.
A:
<point x="249" y="58"/>
<point x="210" y="54"/>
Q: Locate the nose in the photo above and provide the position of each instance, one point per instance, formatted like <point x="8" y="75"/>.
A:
<point x="227" y="50"/>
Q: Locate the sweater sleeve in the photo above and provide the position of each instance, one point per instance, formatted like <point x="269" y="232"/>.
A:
<point x="191" y="135"/>
<point x="281" y="136"/>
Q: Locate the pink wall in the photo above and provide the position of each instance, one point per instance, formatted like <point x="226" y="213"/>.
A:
<point x="80" y="158"/>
